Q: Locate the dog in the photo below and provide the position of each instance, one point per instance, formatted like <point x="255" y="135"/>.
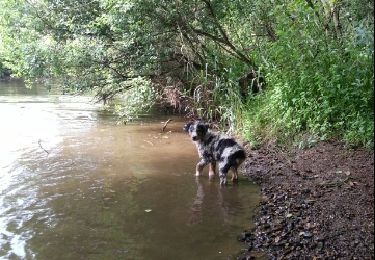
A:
<point x="214" y="148"/>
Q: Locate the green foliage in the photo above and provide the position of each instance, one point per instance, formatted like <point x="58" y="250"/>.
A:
<point x="86" y="46"/>
<point x="3" y="70"/>
<point x="135" y="100"/>
<point x="319" y="84"/>
<point x="316" y="57"/>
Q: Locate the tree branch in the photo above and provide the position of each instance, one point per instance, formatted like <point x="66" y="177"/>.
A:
<point x="225" y="39"/>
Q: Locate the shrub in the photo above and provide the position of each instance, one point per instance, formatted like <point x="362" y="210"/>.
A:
<point x="318" y="84"/>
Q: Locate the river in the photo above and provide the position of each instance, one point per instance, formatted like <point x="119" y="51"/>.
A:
<point x="76" y="185"/>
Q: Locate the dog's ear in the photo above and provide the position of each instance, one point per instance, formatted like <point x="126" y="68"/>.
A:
<point x="187" y="126"/>
<point x="202" y="127"/>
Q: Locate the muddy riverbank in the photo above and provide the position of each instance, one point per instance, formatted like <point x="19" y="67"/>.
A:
<point x="318" y="203"/>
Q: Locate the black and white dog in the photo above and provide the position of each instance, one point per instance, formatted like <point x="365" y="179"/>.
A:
<point x="214" y="148"/>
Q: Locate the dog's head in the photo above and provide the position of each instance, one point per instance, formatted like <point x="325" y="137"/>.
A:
<point x="197" y="130"/>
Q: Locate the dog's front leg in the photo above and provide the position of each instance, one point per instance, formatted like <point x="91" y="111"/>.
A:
<point x="223" y="171"/>
<point x="212" y="169"/>
<point x="199" y="167"/>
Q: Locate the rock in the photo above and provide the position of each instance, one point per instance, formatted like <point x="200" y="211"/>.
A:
<point x="306" y="234"/>
<point x="277" y="228"/>
<point x="306" y="190"/>
<point x="320" y="246"/>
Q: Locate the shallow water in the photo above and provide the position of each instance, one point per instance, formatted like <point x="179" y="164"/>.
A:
<point x="75" y="185"/>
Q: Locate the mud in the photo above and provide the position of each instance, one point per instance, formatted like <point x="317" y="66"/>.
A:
<point x="318" y="203"/>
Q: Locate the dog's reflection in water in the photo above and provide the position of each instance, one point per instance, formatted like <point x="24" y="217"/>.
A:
<point x="213" y="202"/>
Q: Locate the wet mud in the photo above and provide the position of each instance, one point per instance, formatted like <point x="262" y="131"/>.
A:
<point x="317" y="203"/>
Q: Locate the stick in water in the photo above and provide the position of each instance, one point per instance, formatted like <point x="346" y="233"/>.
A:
<point x="165" y="125"/>
<point x="40" y="145"/>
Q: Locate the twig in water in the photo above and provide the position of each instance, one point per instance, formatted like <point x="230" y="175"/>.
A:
<point x="40" y="145"/>
<point x="166" y="123"/>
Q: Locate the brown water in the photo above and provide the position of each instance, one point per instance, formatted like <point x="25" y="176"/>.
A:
<point x="75" y="185"/>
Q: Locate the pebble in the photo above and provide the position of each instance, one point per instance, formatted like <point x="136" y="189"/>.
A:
<point x="306" y="234"/>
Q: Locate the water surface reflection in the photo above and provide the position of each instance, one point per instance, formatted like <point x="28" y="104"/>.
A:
<point x="107" y="191"/>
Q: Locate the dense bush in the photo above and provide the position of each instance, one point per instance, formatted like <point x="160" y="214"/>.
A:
<point x="320" y="83"/>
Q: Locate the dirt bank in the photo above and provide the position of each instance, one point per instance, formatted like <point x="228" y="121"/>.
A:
<point x="318" y="203"/>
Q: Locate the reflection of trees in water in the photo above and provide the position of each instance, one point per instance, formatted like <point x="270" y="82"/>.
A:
<point x="209" y="193"/>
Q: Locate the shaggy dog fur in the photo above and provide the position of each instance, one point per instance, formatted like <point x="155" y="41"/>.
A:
<point x="214" y="148"/>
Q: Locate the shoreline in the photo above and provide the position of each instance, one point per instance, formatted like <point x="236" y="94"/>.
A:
<point x="317" y="203"/>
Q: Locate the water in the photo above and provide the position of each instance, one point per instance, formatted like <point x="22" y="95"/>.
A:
<point x="75" y="185"/>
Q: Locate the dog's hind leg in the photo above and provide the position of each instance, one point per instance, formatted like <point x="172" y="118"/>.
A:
<point x="234" y="174"/>
<point x="234" y="169"/>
